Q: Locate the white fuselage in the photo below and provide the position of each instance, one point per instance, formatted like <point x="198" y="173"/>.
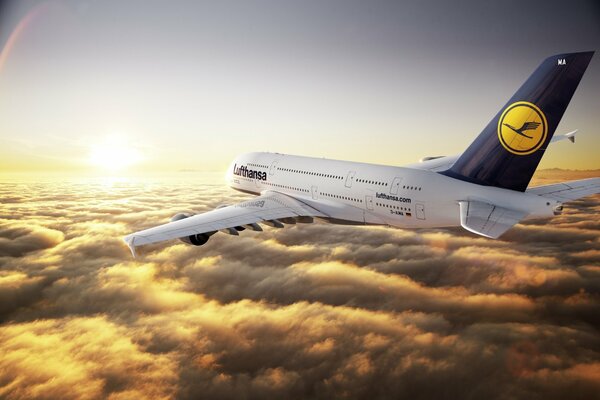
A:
<point x="360" y="193"/>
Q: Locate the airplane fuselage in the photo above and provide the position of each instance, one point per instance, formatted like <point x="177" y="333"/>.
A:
<point x="361" y="193"/>
<point x="485" y="189"/>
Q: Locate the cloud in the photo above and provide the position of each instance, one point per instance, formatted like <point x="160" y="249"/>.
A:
<point x="80" y="358"/>
<point x="17" y="239"/>
<point x="312" y="310"/>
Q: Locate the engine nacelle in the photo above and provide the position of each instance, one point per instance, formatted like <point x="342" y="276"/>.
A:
<point x="180" y="216"/>
<point x="198" y="239"/>
<point x="195" y="240"/>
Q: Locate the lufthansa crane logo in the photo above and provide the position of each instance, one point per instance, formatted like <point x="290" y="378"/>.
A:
<point x="522" y="128"/>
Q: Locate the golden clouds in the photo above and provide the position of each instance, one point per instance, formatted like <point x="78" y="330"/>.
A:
<point x="307" y="311"/>
<point x="17" y="239"/>
<point x="87" y="357"/>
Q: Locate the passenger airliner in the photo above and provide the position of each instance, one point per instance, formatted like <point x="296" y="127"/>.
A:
<point x="484" y="189"/>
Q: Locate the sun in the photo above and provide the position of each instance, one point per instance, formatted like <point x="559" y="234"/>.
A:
<point x="114" y="153"/>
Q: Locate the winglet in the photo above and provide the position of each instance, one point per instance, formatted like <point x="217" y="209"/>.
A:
<point x="129" y="240"/>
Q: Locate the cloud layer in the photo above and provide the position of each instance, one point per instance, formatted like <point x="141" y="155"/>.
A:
<point x="310" y="311"/>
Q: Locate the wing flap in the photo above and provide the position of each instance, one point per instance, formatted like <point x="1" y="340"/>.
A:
<point x="268" y="206"/>
<point x="487" y="219"/>
<point x="568" y="191"/>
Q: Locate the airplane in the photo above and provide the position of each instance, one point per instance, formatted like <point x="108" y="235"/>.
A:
<point x="484" y="189"/>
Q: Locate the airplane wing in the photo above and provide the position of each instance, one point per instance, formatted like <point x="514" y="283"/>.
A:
<point x="268" y="208"/>
<point x="487" y="219"/>
<point x="567" y="191"/>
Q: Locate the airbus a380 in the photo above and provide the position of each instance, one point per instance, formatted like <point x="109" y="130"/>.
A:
<point x="484" y="189"/>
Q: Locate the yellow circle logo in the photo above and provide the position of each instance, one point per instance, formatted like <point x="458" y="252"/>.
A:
<point x="522" y="128"/>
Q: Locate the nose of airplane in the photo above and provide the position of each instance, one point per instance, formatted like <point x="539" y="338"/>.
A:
<point x="229" y="174"/>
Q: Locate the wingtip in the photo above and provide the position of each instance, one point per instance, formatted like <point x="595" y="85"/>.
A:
<point x="129" y="240"/>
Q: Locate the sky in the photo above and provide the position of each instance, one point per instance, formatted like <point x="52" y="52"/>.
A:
<point x="309" y="311"/>
<point x="117" y="115"/>
<point x="157" y="86"/>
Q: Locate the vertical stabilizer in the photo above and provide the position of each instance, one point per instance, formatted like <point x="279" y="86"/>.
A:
<point x="507" y="152"/>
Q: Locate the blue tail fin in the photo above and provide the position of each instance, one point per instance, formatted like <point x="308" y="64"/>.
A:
<point x="509" y="149"/>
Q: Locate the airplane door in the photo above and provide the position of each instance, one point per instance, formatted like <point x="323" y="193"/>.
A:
<point x="273" y="168"/>
<point x="420" y="210"/>
<point x="395" y="185"/>
<point x="350" y="178"/>
<point x="315" y="192"/>
<point x="369" y="202"/>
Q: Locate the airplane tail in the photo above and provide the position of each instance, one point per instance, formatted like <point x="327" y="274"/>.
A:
<point x="509" y="149"/>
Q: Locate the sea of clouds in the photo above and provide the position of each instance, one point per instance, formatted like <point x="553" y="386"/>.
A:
<point x="310" y="311"/>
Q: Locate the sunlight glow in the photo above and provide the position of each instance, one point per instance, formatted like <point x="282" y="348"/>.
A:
<point x="114" y="154"/>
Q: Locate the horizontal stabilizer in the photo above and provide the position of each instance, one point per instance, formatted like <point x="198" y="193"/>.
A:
<point x="487" y="219"/>
<point x="568" y="191"/>
<point x="570" y="136"/>
<point x="435" y="164"/>
<point x="438" y="164"/>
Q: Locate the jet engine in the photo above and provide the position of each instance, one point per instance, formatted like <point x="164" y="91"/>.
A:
<point x="179" y="216"/>
<point x="195" y="240"/>
<point x="198" y="239"/>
